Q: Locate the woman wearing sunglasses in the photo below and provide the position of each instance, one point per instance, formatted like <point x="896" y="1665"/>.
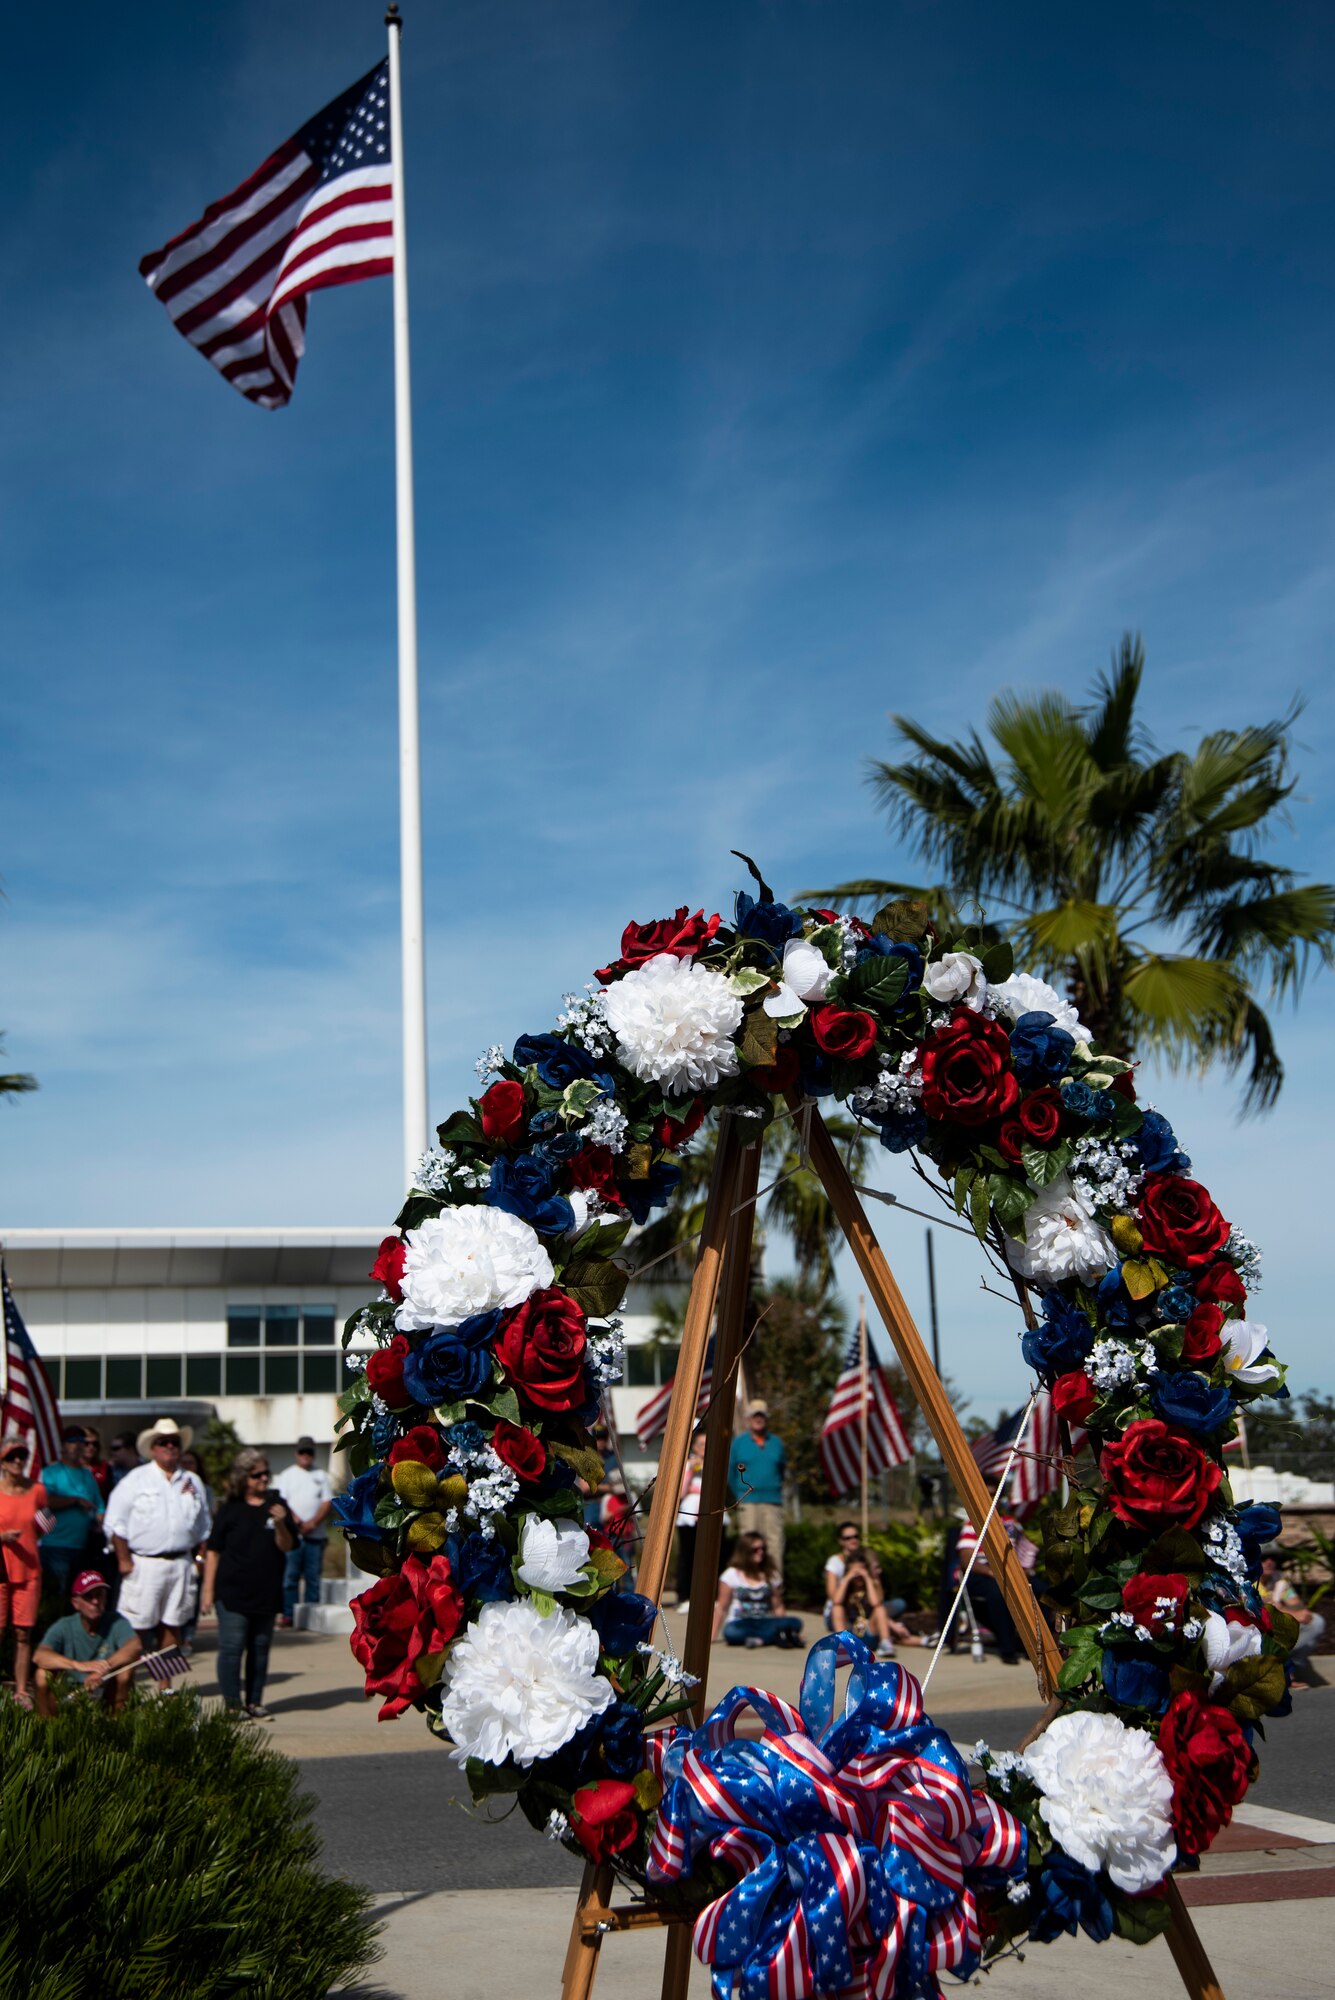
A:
<point x="243" y="1577"/>
<point x="21" y="1499"/>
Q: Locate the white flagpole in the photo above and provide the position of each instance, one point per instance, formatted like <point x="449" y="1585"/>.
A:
<point x="415" y="1126"/>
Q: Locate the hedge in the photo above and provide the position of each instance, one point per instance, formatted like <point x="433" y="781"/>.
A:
<point x="910" y="1554"/>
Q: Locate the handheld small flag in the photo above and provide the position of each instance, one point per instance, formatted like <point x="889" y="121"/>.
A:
<point x="165" y="1666"/>
<point x="318" y="212"/>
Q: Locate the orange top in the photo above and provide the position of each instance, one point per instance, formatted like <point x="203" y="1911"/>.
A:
<point x="18" y="1511"/>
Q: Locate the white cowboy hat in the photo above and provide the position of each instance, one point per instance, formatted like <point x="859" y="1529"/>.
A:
<point x="163" y="1427"/>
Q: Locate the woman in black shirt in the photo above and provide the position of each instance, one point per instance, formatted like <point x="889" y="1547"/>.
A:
<point x="243" y="1577"/>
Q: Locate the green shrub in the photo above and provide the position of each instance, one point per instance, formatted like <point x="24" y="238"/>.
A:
<point x="910" y="1553"/>
<point x="164" y="1852"/>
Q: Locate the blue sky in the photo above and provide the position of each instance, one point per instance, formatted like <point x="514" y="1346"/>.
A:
<point x="776" y="366"/>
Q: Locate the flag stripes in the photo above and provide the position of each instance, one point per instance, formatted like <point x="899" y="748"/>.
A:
<point x="318" y="212"/>
<point x="27" y="1400"/>
<point x="1038" y="1463"/>
<point x="651" y="1422"/>
<point x="841" y="1433"/>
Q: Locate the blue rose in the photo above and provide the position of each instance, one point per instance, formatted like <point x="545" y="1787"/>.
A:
<point x="482" y="1569"/>
<point x="557" y="1062"/>
<point x="1134" y="1679"/>
<point x="1114" y="1301"/>
<point x="1157" y="1147"/>
<point x="772" y="923"/>
<point x="622" y="1734"/>
<point x="1177" y="1303"/>
<point x="652" y="1192"/>
<point x="884" y="947"/>
<point x="561" y="1146"/>
<point x="466" y="1435"/>
<point x="1067" y="1897"/>
<point x="903" y="1129"/>
<point x="1082" y="1102"/>
<point x="1257" y="1525"/>
<point x="479" y="1329"/>
<point x="622" y="1619"/>
<point x="524" y="1187"/>
<point x="1040" y="1049"/>
<point x="1062" y="1342"/>
<point x="445" y="1369"/>
<point x="1185" y="1398"/>
<point x="353" y="1507"/>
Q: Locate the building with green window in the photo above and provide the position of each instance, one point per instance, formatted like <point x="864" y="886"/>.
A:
<point x="244" y="1324"/>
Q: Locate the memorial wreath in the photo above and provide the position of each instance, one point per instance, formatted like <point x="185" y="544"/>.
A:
<point x="849" y="1849"/>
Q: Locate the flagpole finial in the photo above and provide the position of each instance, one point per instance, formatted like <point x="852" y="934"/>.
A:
<point x="393" y="18"/>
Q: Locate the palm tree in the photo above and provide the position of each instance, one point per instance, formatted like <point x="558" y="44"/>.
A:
<point x="17" y="1082"/>
<point x="1135" y="876"/>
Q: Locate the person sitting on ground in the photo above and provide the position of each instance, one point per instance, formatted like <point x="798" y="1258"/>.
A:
<point x="847" y="1537"/>
<point x="1277" y="1589"/>
<point x="251" y="1538"/>
<point x="72" y="1496"/>
<point x="21" y="1500"/>
<point x="749" y="1608"/>
<point x="859" y="1604"/>
<point x="92" y="1642"/>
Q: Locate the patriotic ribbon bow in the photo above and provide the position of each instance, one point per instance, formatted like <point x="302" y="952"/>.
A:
<point x="859" y="1839"/>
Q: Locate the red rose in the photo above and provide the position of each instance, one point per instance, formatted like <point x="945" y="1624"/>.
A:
<point x="422" y="1443"/>
<point x="1179" y="1220"/>
<point x="1041" y="1115"/>
<point x="1221" y="1286"/>
<point x="1073" y="1396"/>
<point x="1156" y="1602"/>
<point x="595" y="1167"/>
<point x="1200" y="1336"/>
<point x="400" y="1624"/>
<point x="1124" y="1084"/>
<point x="501" y="1110"/>
<point x="387" y="1269"/>
<point x="843" y="1031"/>
<point x="1010" y="1139"/>
<point x="1209" y="1762"/>
<point x="780" y="1075"/>
<point x="670" y="1133"/>
<point x="603" y="1818"/>
<point x="520" y="1450"/>
<point x="679" y="936"/>
<point x="384" y="1372"/>
<point x="1156" y="1478"/>
<point x="541" y="1348"/>
<point x="965" y="1073"/>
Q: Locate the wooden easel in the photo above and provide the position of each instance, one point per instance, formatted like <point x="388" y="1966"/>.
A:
<point x="718" y="1294"/>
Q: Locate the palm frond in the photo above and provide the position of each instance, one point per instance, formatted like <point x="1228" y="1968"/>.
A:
<point x="1276" y="933"/>
<point x="1074" y="932"/>
<point x="1112" y="733"/>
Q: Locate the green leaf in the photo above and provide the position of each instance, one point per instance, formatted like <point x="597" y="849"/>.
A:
<point x="963" y="1182"/>
<point x="748" y="980"/>
<point x="461" y="1128"/>
<point x="1009" y="1198"/>
<point x="1176" y="1550"/>
<point x="446" y="1414"/>
<point x="998" y="963"/>
<point x="596" y="1285"/>
<point x="903" y="921"/>
<point x="578" y="1100"/>
<point x="485" y="1780"/>
<point x="1253" y="1687"/>
<point x="1140" y="1918"/>
<point x="1043" y="1165"/>
<point x="980" y="1213"/>
<point x="605" y="1236"/>
<point x="1076" y="1671"/>
<point x="505" y="1404"/>
<point x="879" y="983"/>
<point x="416" y="1210"/>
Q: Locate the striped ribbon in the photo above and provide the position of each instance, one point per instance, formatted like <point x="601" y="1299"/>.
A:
<point x="857" y="1840"/>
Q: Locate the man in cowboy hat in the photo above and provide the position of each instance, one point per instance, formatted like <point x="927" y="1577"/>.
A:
<point x="92" y="1643"/>
<point x="156" y="1519"/>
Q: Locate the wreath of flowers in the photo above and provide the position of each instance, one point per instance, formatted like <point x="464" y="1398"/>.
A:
<point x="498" y="1613"/>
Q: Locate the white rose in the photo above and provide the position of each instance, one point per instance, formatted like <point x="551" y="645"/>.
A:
<point x="552" y="1553"/>
<point x="1061" y="1239"/>
<point x="1107" y="1797"/>
<point x="956" y="977"/>
<point x="465" y="1261"/>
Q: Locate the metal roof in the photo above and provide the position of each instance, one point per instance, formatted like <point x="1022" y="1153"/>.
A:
<point x="97" y="1258"/>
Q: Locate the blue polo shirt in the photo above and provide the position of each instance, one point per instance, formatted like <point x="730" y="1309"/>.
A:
<point x="70" y="1529"/>
<point x="755" y="1471"/>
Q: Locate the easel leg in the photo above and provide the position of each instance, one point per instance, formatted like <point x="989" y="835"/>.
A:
<point x="581" y="1966"/>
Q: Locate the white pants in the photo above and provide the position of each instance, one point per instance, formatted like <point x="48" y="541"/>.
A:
<point x="160" y="1590"/>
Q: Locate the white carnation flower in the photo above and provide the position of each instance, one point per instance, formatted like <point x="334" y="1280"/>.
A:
<point x="674" y="1022"/>
<point x="520" y="1685"/>
<point x="1023" y="994"/>
<point x="1061" y="1239"/>
<point x="1107" y="1797"/>
<point x="1245" y="1341"/>
<point x="957" y="977"/>
<point x="1225" y="1644"/>
<point x="465" y="1261"/>
<point x="552" y="1553"/>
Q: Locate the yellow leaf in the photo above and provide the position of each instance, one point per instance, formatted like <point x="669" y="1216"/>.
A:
<point x="607" y="1563"/>
<point x="588" y="1464"/>
<point x="416" y="1484"/>
<point x="426" y="1534"/>
<point x="1126" y="1236"/>
<point x="1138" y="1279"/>
<point x="648" y="1791"/>
<point x="760" y="1039"/>
<point x="639" y="1158"/>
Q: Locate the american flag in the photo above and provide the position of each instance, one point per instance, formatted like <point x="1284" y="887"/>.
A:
<point x="27" y="1401"/>
<point x="1038" y="1463"/>
<point x="653" y="1415"/>
<point x="841" y="1433"/>
<point x="318" y="212"/>
<point x="167" y="1665"/>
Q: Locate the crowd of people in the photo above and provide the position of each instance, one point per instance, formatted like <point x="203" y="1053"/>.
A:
<point x="137" y="1548"/>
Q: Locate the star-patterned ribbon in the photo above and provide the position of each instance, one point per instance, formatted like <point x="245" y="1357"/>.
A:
<point x="858" y="1840"/>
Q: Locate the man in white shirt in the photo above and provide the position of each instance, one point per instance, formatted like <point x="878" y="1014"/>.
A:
<point x="310" y="1496"/>
<point x="156" y="1519"/>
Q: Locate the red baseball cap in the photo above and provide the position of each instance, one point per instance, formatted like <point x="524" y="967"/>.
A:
<point x="86" y="1582"/>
